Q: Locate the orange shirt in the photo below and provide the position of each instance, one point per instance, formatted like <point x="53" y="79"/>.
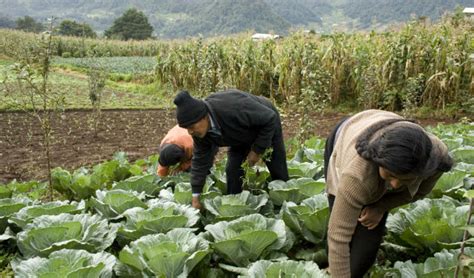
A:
<point x="180" y="137"/>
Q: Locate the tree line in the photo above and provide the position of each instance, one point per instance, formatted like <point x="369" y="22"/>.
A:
<point x="132" y="25"/>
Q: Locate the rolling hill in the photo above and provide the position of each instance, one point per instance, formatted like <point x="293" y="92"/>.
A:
<point x="181" y="18"/>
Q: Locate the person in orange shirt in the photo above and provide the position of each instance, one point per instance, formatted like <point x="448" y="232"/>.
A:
<point x="176" y="152"/>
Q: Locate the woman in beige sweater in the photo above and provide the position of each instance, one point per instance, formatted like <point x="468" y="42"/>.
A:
<point x="374" y="161"/>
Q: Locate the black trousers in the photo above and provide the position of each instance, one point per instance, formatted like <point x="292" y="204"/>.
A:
<point x="276" y="165"/>
<point x="364" y="243"/>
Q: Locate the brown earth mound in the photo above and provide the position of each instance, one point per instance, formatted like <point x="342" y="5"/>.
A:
<point x="136" y="132"/>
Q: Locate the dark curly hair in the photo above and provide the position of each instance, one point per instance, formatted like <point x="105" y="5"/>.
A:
<point x="400" y="149"/>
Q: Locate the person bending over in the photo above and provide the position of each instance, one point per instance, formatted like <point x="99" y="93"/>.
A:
<point x="176" y="152"/>
<point x="246" y="123"/>
<point x="374" y="161"/>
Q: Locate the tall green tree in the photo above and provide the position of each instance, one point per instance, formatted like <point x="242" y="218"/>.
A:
<point x="29" y="24"/>
<point x="132" y="25"/>
<point x="72" y="28"/>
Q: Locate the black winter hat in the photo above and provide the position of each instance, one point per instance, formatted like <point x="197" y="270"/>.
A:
<point x="188" y="109"/>
<point x="170" y="154"/>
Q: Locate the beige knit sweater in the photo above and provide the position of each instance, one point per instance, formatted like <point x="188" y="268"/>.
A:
<point x="356" y="183"/>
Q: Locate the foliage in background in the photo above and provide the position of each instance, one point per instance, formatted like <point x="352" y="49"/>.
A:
<point x="29" y="24"/>
<point x="179" y="19"/>
<point x="417" y="66"/>
<point x="72" y="28"/>
<point x="97" y="76"/>
<point x="74" y="46"/>
<point x="31" y="80"/>
<point x="134" y="65"/>
<point x="376" y="12"/>
<point x="7" y="22"/>
<point x="132" y="25"/>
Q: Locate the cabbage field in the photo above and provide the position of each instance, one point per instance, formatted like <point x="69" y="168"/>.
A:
<point x="119" y="219"/>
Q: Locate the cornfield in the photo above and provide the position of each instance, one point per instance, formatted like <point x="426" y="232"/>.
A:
<point x="416" y="66"/>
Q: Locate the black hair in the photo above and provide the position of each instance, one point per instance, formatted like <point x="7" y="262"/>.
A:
<point x="401" y="149"/>
<point x="170" y="154"/>
<point x="446" y="165"/>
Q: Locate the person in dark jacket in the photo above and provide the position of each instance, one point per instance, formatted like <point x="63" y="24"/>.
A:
<point x="246" y="123"/>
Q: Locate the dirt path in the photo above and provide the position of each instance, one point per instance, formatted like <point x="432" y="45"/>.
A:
<point x="136" y="132"/>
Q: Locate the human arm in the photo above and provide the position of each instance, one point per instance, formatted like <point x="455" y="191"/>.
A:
<point x="203" y="158"/>
<point x="202" y="161"/>
<point x="350" y="198"/>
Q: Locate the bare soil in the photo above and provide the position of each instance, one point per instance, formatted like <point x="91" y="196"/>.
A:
<point x="136" y="132"/>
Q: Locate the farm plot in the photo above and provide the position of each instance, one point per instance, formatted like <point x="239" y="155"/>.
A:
<point x="118" y="218"/>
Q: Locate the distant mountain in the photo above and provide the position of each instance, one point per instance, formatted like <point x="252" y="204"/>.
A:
<point x="181" y="18"/>
<point x="225" y="17"/>
<point x="297" y="12"/>
<point x="389" y="11"/>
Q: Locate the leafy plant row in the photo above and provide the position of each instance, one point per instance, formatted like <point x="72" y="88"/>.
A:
<point x="130" y="223"/>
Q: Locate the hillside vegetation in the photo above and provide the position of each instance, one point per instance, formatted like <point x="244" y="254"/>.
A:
<point x="181" y="18"/>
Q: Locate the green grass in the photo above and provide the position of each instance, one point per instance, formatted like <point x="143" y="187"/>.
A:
<point x="5" y="62"/>
<point x="72" y="81"/>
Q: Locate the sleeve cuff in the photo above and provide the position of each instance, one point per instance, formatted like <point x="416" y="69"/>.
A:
<point x="258" y="150"/>
<point x="196" y="189"/>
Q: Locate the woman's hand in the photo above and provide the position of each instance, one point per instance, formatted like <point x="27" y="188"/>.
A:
<point x="370" y="217"/>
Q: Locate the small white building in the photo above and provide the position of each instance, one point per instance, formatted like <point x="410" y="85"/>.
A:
<point x="469" y="13"/>
<point x="261" y="36"/>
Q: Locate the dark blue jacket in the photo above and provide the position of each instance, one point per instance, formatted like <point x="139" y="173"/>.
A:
<point x="243" y="119"/>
